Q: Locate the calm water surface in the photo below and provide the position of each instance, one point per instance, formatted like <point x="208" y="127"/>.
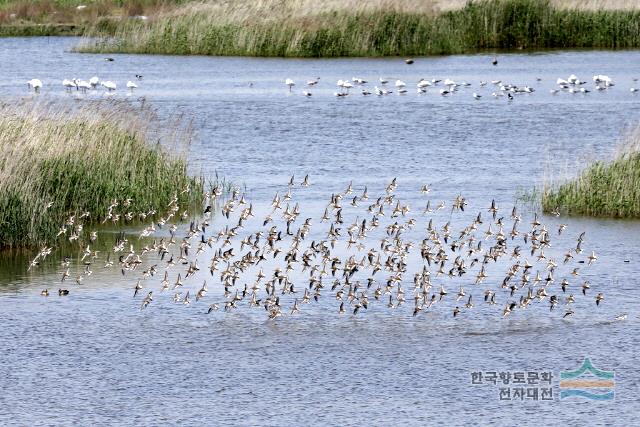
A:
<point x="93" y="358"/>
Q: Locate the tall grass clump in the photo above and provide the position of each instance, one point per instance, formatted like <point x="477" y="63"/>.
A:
<point x="57" y="160"/>
<point x="610" y="189"/>
<point x="360" y="28"/>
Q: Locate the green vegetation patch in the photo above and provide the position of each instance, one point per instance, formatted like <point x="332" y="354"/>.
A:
<point x="57" y="161"/>
<point x="610" y="189"/>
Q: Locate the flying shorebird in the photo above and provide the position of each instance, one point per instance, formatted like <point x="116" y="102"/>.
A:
<point x="137" y="288"/>
<point x="147" y="300"/>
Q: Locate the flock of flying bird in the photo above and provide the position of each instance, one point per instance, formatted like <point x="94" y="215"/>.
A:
<point x="362" y="254"/>
<point x="448" y="86"/>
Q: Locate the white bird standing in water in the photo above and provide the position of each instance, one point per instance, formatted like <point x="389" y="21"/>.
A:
<point x="423" y="83"/>
<point x="131" y="85"/>
<point x="69" y="84"/>
<point x="109" y="85"/>
<point x="84" y="86"/>
<point x="35" y="84"/>
<point x="290" y="83"/>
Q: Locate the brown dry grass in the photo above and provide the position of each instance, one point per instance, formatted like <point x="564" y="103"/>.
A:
<point x="17" y="12"/>
<point x="66" y="12"/>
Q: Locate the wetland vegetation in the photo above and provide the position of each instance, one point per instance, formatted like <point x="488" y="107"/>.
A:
<point x="610" y="189"/>
<point x="60" y="160"/>
<point x="303" y="29"/>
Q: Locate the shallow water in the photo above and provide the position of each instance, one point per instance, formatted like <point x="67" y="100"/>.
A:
<point x="94" y="358"/>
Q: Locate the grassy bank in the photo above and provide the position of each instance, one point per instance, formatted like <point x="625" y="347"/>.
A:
<point x="72" y="17"/>
<point x="609" y="189"/>
<point x="32" y="30"/>
<point x="303" y="29"/>
<point x="58" y="160"/>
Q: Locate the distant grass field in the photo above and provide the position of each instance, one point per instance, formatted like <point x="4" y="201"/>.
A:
<point x="60" y="160"/>
<point x="307" y="29"/>
<point x="71" y="17"/>
<point x="610" y="189"/>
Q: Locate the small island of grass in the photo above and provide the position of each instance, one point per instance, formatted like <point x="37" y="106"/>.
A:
<point x="604" y="189"/>
<point x="60" y="161"/>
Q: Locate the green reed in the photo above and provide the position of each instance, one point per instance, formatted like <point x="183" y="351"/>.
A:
<point x="214" y="29"/>
<point x="609" y="189"/>
<point x="79" y="159"/>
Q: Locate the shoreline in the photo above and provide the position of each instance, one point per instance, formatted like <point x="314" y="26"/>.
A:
<point x="41" y="30"/>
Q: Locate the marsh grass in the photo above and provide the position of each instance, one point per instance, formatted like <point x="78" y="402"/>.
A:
<point x="356" y="28"/>
<point x="610" y="189"/>
<point x="34" y="30"/>
<point x="80" y="159"/>
<point x="62" y="17"/>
